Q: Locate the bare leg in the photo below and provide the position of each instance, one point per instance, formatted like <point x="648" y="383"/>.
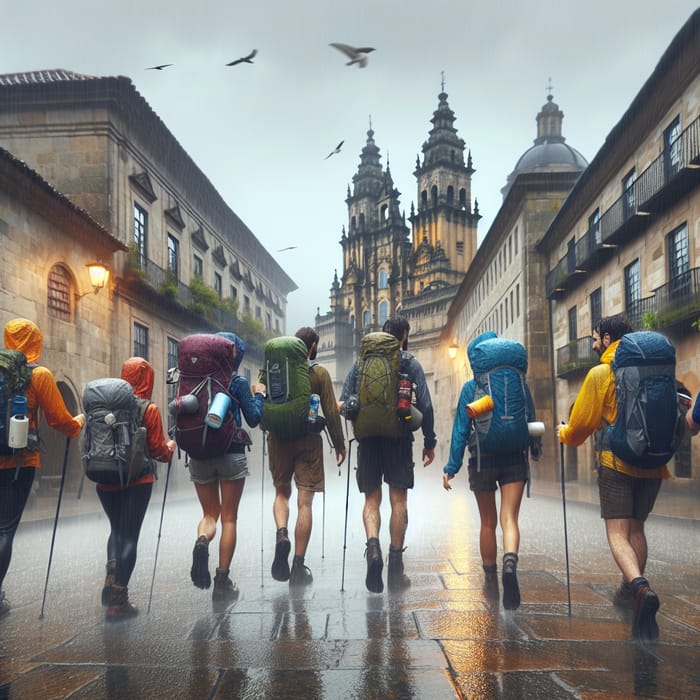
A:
<point x="231" y="492"/>
<point x="619" y="532"/>
<point x="302" y="530"/>
<point x="280" y="506"/>
<point x="208" y="495"/>
<point x="370" y="513"/>
<point x="398" y="521"/>
<point x="486" y="501"/>
<point x="511" y="498"/>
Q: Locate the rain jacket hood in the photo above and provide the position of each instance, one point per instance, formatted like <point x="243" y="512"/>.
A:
<point x="140" y="374"/>
<point x="487" y="335"/>
<point x="240" y="347"/>
<point x="24" y="335"/>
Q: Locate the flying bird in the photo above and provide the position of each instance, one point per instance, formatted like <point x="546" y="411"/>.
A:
<point x="245" y="59"/>
<point x="289" y="247"/>
<point x="335" y="150"/>
<point x="358" y="56"/>
<point x="160" y="67"/>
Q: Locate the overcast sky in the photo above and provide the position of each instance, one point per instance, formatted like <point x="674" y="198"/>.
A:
<point x="261" y="132"/>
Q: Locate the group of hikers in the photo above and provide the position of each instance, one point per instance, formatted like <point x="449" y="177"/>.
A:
<point x="386" y="398"/>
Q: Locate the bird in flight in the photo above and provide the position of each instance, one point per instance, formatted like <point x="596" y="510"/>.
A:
<point x="245" y="59"/>
<point x="358" y="56"/>
<point x="335" y="150"/>
<point x="289" y="247"/>
<point x="160" y="67"/>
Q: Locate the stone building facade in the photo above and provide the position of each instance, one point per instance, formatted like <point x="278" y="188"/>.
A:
<point x="627" y="239"/>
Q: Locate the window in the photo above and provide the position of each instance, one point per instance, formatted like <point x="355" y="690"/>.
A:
<point x="573" y="324"/>
<point x="450" y="194"/>
<point x="672" y="147"/>
<point x="60" y="293"/>
<point x="233" y="293"/>
<point x="173" y="255"/>
<point x="141" y="341"/>
<point x="384" y="213"/>
<point x="366" y="319"/>
<point x="594" y="226"/>
<point x="596" y="307"/>
<point x="258" y="312"/>
<point x="633" y="289"/>
<point x="383" y="279"/>
<point x="678" y="262"/>
<point x="460" y="248"/>
<point x="628" y="202"/>
<point x="218" y="285"/>
<point x="463" y="199"/>
<point x="383" y="312"/>
<point x="197" y="267"/>
<point x="140" y="233"/>
<point x="434" y="194"/>
<point x="246" y="304"/>
<point x="268" y="321"/>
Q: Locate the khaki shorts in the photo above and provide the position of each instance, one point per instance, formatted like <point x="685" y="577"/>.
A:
<point x="301" y="458"/>
<point x="626" y="497"/>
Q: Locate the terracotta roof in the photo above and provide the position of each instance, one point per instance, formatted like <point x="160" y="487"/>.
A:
<point x="55" y="75"/>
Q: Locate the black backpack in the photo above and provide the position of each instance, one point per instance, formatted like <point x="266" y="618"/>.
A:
<point x="15" y="377"/>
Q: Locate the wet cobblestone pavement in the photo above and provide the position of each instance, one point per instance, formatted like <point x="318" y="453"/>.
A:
<point x="445" y="637"/>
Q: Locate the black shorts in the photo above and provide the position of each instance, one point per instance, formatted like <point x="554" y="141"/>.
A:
<point x="497" y="470"/>
<point x="391" y="458"/>
<point x="626" y="497"/>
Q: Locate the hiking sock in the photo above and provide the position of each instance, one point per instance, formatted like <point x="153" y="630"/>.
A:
<point x="511" y="590"/>
<point x="280" y="564"/>
<point x="200" y="563"/>
<point x="373" y="554"/>
<point x="300" y="574"/>
<point x="110" y="568"/>
<point x="396" y="578"/>
<point x="645" y="604"/>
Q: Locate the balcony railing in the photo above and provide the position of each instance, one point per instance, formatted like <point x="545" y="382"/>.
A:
<point x="668" y="178"/>
<point x="576" y="357"/>
<point x="678" y="301"/>
<point x="642" y="314"/>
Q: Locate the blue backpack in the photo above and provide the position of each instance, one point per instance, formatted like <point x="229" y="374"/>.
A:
<point x="499" y="367"/>
<point x="650" y="423"/>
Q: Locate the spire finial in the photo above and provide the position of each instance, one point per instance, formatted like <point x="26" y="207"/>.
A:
<point x="549" y="89"/>
<point x="442" y="81"/>
<point x="370" y="122"/>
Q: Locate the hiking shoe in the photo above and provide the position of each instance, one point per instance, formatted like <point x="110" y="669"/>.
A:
<point x="280" y="564"/>
<point x="119" y="606"/>
<point x="511" y="590"/>
<point x="4" y="605"/>
<point x="396" y="579"/>
<point x="199" y="573"/>
<point x="373" y="554"/>
<point x="300" y="575"/>
<point x="111" y="568"/>
<point x="224" y="588"/>
<point x="645" y="605"/>
<point x="622" y="598"/>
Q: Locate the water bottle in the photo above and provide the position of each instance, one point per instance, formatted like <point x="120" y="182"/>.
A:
<point x="218" y="409"/>
<point x="403" y="407"/>
<point x="19" y="423"/>
<point x="314" y="403"/>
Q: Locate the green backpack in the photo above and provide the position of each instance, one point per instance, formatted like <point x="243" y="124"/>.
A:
<point x="377" y="387"/>
<point x="286" y="409"/>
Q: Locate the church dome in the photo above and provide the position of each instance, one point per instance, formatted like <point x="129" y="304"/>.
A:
<point x="550" y="152"/>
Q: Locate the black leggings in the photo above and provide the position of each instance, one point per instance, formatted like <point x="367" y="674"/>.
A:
<point x="13" y="498"/>
<point x="126" y="510"/>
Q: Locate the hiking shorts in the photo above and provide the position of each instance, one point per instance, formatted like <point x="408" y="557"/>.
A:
<point x="625" y="497"/>
<point x="228" y="467"/>
<point x="390" y="458"/>
<point x="301" y="458"/>
<point x="495" y="471"/>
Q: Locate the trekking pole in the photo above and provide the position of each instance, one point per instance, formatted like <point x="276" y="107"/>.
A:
<point x="323" y="527"/>
<point x="55" y="523"/>
<point x="345" y="529"/>
<point x="262" y="512"/>
<point x="160" y="529"/>
<point x="566" y="536"/>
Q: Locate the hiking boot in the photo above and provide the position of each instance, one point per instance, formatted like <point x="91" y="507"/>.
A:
<point x="511" y="590"/>
<point x="280" y="564"/>
<point x="622" y="598"/>
<point x="373" y="554"/>
<point x="645" y="605"/>
<point x="119" y="606"/>
<point x="4" y="605"/>
<point x="300" y="575"/>
<point x="111" y="568"/>
<point x="224" y="588"/>
<point x="396" y="579"/>
<point x="199" y="572"/>
<point x="490" y="585"/>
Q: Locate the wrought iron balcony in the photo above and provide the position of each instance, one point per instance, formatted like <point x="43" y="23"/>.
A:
<point x="576" y="357"/>
<point x="678" y="301"/>
<point x="642" y="314"/>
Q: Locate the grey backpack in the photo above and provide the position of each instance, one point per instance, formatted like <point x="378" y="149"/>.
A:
<point x="113" y="441"/>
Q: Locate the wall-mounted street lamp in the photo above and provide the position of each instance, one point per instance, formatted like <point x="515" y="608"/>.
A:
<point x="99" y="275"/>
<point x="452" y="351"/>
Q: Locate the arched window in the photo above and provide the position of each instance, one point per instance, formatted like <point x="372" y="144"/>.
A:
<point x="383" y="279"/>
<point x="352" y="321"/>
<point x="450" y="194"/>
<point x="434" y="194"/>
<point x="463" y="199"/>
<point x="384" y="214"/>
<point x="362" y="222"/>
<point x="366" y="319"/>
<point x="424" y="198"/>
<point x="60" y="293"/>
<point x="383" y="312"/>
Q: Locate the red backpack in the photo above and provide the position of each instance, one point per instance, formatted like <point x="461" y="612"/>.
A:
<point x="206" y="367"/>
